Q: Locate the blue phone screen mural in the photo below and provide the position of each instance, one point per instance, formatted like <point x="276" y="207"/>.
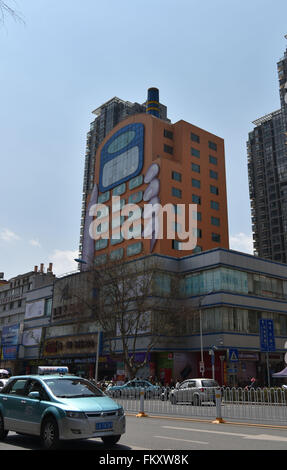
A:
<point x="122" y="156"/>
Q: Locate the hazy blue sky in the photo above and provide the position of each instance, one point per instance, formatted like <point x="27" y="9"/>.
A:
<point x="213" y="61"/>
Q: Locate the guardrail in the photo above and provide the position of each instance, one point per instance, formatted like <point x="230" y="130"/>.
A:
<point x="260" y="405"/>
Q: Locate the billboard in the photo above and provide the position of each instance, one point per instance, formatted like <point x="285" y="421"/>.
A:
<point x="35" y="309"/>
<point x="32" y="337"/>
<point x="10" y="341"/>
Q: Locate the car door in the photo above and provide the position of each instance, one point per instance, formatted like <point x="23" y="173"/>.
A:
<point x="12" y="405"/>
<point x="191" y="388"/>
<point x="33" y="408"/>
<point x="181" y="392"/>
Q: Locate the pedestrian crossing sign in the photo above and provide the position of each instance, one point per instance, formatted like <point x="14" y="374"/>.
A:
<point x="233" y="355"/>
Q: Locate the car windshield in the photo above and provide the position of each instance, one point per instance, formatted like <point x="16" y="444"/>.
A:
<point x="209" y="383"/>
<point x="72" y="388"/>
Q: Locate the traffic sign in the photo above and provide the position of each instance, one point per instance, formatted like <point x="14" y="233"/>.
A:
<point x="233" y="355"/>
<point x="201" y="367"/>
<point x="267" y="338"/>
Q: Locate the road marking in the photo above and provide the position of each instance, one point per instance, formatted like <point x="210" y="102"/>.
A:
<point x="181" y="440"/>
<point x="263" y="437"/>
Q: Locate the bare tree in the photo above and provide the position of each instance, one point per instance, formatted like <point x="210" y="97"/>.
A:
<point x="131" y="310"/>
<point x="7" y="9"/>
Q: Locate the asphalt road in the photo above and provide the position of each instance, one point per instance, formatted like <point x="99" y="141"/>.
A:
<point x="155" y="434"/>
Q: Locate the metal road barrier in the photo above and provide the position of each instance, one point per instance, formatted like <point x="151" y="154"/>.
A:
<point x="255" y="405"/>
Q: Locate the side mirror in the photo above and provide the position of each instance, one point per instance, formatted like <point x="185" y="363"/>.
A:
<point x="34" y="395"/>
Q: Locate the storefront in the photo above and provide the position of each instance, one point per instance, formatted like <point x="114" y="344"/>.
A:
<point x="78" y="352"/>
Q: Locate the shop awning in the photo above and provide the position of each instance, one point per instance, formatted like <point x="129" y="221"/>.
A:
<point x="283" y="373"/>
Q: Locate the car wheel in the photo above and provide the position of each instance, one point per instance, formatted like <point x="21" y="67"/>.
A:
<point x="110" y="440"/>
<point x="3" y="432"/>
<point x="50" y="434"/>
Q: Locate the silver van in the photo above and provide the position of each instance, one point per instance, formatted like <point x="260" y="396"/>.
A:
<point x="194" y="391"/>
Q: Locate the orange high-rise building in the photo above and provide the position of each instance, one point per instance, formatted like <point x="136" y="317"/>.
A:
<point x="148" y="160"/>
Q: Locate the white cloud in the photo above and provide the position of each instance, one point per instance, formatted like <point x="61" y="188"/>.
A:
<point x="63" y="261"/>
<point x="8" y="236"/>
<point x="35" y="243"/>
<point x="241" y="242"/>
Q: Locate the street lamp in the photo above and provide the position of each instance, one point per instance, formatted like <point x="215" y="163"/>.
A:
<point x="200" y="332"/>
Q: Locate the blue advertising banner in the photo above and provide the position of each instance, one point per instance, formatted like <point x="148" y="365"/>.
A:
<point x="267" y="338"/>
<point x="10" y="341"/>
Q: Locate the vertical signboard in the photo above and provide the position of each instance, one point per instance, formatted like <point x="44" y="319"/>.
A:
<point x="10" y="341"/>
<point x="267" y="338"/>
<point x="267" y="341"/>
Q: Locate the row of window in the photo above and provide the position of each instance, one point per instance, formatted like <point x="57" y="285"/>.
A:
<point x="118" y="254"/>
<point x="196" y="168"/>
<point x="176" y="192"/>
<point x="193" y="151"/>
<point x="215" y="237"/>
<point x="194" y="137"/>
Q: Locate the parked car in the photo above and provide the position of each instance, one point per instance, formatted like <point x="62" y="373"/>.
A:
<point x="132" y="389"/>
<point x="59" y="407"/>
<point x="194" y="391"/>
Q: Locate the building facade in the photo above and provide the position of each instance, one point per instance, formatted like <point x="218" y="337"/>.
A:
<point x="146" y="160"/>
<point x="108" y="115"/>
<point x="267" y="170"/>
<point x="23" y="299"/>
<point x="226" y="294"/>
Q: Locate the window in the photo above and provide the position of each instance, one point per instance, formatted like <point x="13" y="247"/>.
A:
<point x="212" y="145"/>
<point x="212" y="160"/>
<point x="196" y="199"/>
<point x="134" y="249"/>
<point x="196" y="215"/>
<point x="135" y="182"/>
<point x="17" y="387"/>
<point x="215" y="221"/>
<point x="214" y="190"/>
<point x="195" y="167"/>
<point x="117" y="254"/>
<point x="197" y="232"/>
<point x="168" y="134"/>
<point x="194" y="137"/>
<point x="168" y="149"/>
<point x="176" y="245"/>
<point x="214" y="205"/>
<point x="101" y="243"/>
<point x="195" y="183"/>
<point x="176" y="192"/>
<point x="195" y="152"/>
<point x="119" y="190"/>
<point x="197" y="249"/>
<point x="215" y="237"/>
<point x="213" y="174"/>
<point x="135" y="198"/>
<point x="176" y="176"/>
<point x="104" y="197"/>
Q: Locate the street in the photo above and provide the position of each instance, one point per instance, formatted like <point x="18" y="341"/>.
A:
<point x="152" y="434"/>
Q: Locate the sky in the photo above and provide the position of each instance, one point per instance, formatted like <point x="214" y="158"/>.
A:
<point x="214" y="62"/>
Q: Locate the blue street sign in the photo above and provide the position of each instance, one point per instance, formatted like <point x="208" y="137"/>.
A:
<point x="267" y="338"/>
<point x="233" y="355"/>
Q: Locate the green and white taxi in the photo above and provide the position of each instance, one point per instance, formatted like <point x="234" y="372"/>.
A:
<point x="59" y="407"/>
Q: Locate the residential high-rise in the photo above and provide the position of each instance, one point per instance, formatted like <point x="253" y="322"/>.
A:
<point x="267" y="171"/>
<point x="145" y="159"/>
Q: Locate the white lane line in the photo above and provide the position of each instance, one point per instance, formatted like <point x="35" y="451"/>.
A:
<point x="181" y="440"/>
<point x="262" y="437"/>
